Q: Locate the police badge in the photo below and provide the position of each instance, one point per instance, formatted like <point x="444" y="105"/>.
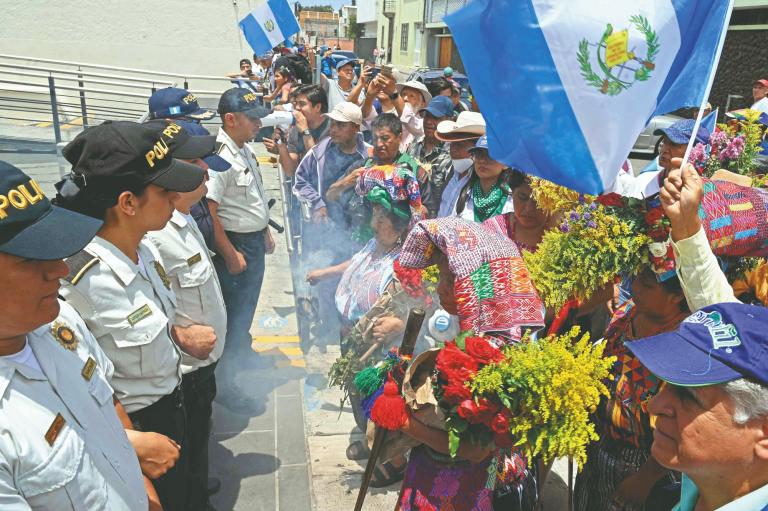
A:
<point x="64" y="335"/>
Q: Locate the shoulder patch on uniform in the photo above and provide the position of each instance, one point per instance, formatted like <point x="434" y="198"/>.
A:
<point x="78" y="265"/>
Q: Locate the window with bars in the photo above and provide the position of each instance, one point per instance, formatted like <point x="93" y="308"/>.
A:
<point x="404" y="37"/>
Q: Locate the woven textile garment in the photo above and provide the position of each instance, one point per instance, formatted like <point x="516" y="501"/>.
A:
<point x="494" y="292"/>
<point x="399" y="180"/>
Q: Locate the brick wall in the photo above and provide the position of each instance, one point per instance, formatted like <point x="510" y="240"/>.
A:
<point x="744" y="60"/>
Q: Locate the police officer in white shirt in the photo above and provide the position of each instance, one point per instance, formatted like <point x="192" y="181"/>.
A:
<point x="240" y="215"/>
<point x="122" y="172"/>
<point x="189" y="267"/>
<point x="63" y="445"/>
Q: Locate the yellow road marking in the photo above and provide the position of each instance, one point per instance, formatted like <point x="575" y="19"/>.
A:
<point x="276" y="339"/>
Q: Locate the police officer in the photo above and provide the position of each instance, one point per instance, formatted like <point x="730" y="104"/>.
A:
<point x="122" y="173"/>
<point x="182" y="107"/>
<point x="188" y="264"/>
<point x="240" y="215"/>
<point x="62" y="443"/>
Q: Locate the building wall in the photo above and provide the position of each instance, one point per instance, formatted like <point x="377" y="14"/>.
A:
<point x="407" y="47"/>
<point x="367" y="11"/>
<point x="321" y="24"/>
<point x="744" y="60"/>
<point x="189" y="36"/>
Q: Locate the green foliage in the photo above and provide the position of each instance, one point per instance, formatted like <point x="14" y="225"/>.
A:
<point x="586" y="68"/>
<point x="352" y="27"/>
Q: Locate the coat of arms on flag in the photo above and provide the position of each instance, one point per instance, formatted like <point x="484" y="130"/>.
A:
<point x="621" y="66"/>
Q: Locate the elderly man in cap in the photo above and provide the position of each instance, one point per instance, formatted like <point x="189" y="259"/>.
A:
<point x="56" y="381"/>
<point x="760" y="95"/>
<point x="712" y="414"/>
<point x="462" y="134"/>
<point x="431" y="153"/>
<point x="240" y="215"/>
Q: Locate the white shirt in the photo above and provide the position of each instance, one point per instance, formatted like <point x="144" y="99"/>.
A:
<point x="761" y="105"/>
<point x="188" y="264"/>
<point x="25" y="357"/>
<point x="239" y="191"/>
<point x="127" y="310"/>
<point x="89" y="463"/>
<point x="451" y="193"/>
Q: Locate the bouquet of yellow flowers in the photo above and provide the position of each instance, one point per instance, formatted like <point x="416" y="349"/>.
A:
<point x="594" y="244"/>
<point x="547" y="389"/>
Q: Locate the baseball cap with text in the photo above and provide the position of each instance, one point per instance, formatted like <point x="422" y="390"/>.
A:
<point x="31" y="227"/>
<point x="716" y="344"/>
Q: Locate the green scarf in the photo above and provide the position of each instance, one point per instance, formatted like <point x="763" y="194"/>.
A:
<point x="486" y="206"/>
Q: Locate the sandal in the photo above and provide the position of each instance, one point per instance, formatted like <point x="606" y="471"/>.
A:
<point x="386" y="474"/>
<point x="358" y="450"/>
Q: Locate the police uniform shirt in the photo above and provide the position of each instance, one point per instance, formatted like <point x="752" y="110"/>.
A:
<point x="62" y="446"/>
<point x="187" y="262"/>
<point x="238" y="191"/>
<point x="126" y="307"/>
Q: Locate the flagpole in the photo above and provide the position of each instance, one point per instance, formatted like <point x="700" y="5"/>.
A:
<point x="710" y="81"/>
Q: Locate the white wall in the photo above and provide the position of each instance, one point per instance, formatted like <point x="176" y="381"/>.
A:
<point x="367" y="11"/>
<point x="190" y="36"/>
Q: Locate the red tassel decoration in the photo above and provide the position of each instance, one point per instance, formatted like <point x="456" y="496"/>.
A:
<point x="389" y="411"/>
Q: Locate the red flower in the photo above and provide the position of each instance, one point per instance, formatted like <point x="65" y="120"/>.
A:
<point x="454" y="365"/>
<point x="455" y="392"/>
<point x="611" y="199"/>
<point x="653" y="216"/>
<point x="500" y="422"/>
<point x="503" y="441"/>
<point x="478" y="412"/>
<point x="482" y="350"/>
<point x="410" y="279"/>
<point x="658" y="233"/>
<point x="468" y="410"/>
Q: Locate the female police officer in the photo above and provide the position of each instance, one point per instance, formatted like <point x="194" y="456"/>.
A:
<point x="123" y="173"/>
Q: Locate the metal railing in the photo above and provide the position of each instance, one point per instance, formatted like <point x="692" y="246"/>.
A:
<point x="436" y="10"/>
<point x="65" y="95"/>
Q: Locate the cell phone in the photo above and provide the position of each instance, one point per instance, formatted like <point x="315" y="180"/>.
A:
<point x="375" y="72"/>
<point x="386" y="71"/>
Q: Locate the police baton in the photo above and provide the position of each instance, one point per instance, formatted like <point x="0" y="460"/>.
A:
<point x="279" y="228"/>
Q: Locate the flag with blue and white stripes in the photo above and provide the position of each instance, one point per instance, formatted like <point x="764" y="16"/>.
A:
<point x="269" y="25"/>
<point x="566" y="87"/>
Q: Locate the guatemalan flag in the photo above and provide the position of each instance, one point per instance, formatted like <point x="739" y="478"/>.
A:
<point x="269" y="25"/>
<point x="566" y="86"/>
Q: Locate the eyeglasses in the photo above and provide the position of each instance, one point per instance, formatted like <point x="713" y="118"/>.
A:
<point x="480" y="155"/>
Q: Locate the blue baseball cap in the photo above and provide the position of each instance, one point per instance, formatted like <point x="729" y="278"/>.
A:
<point x="344" y="62"/>
<point x="31" y="227"/>
<point x="440" y="106"/>
<point x="238" y="100"/>
<point x="213" y="160"/>
<point x="173" y="102"/>
<point x="716" y="344"/>
<point x="482" y="143"/>
<point x="682" y="131"/>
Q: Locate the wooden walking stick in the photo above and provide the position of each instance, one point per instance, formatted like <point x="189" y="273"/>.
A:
<point x="412" y="328"/>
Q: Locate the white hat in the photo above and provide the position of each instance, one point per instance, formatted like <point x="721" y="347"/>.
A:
<point x="468" y="125"/>
<point x="346" y="112"/>
<point x="413" y="84"/>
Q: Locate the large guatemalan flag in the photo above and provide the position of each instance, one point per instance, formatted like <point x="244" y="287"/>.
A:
<point x="269" y="25"/>
<point x="566" y="86"/>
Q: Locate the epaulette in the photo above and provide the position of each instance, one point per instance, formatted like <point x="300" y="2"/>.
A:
<point x="78" y="265"/>
<point x="219" y="147"/>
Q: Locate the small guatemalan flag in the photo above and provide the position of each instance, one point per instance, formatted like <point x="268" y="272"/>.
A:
<point x="269" y="25"/>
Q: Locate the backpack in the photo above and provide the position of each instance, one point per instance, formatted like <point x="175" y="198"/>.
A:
<point x="298" y="65"/>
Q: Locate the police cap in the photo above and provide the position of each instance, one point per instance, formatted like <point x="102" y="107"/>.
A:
<point x="32" y="228"/>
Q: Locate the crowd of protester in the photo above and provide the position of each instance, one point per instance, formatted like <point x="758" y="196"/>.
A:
<point x="156" y="243"/>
